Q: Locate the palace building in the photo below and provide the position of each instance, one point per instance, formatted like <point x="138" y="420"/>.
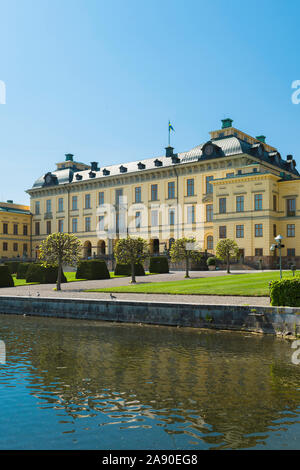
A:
<point x="15" y="232"/>
<point x="232" y="186"/>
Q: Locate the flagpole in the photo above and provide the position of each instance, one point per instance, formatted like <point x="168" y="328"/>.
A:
<point x="169" y="133"/>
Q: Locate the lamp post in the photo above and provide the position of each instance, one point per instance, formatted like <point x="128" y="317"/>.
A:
<point x="278" y="245"/>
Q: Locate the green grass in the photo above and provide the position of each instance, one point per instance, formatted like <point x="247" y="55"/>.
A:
<point x="233" y="284"/>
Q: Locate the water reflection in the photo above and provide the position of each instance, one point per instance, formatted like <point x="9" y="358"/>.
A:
<point x="97" y="385"/>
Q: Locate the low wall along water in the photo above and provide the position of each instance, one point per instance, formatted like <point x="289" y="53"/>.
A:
<point x="284" y="321"/>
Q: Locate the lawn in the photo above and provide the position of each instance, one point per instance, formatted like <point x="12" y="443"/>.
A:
<point x="233" y="284"/>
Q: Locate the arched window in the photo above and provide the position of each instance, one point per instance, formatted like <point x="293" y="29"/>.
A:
<point x="210" y="242"/>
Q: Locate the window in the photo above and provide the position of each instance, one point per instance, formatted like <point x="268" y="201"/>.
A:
<point x="240" y="231"/>
<point x="291" y="207"/>
<point x="258" y="202"/>
<point x="171" y="189"/>
<point x="171" y="216"/>
<point x="153" y="192"/>
<point x="25" y="230"/>
<point x="274" y="230"/>
<point x="119" y="194"/>
<point x="5" y="229"/>
<point x="258" y="251"/>
<point x="209" y="212"/>
<point x="74" y="225"/>
<point x="15" y="229"/>
<point x="138" y="219"/>
<point x="60" y="204"/>
<point x="229" y="175"/>
<point x="15" y="247"/>
<point x="210" y="242"/>
<point x="101" y="198"/>
<point x="222" y="231"/>
<point x="37" y="228"/>
<point x="209" y="186"/>
<point x="274" y="202"/>
<point x="291" y="252"/>
<point x="87" y="201"/>
<point x="222" y="205"/>
<point x="290" y="230"/>
<point x="87" y="224"/>
<point x="258" y="230"/>
<point x="48" y="227"/>
<point x="48" y="206"/>
<point x="37" y="208"/>
<point x="5" y="246"/>
<point x="190" y="187"/>
<point x="191" y="214"/>
<point x="240" y="203"/>
<point x="138" y="194"/>
<point x="25" y="248"/>
<point x="101" y="223"/>
<point x="61" y="225"/>
<point x="154" y="218"/>
<point x="74" y="203"/>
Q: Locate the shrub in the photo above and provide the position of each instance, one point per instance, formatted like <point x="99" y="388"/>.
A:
<point x="13" y="266"/>
<point x="125" y="270"/>
<point x="159" y="264"/>
<point x="211" y="261"/>
<point x="22" y="270"/>
<point x="38" y="273"/>
<point x="92" y="269"/>
<point x="285" y="292"/>
<point x="6" y="279"/>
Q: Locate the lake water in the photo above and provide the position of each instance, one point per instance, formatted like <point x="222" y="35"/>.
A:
<point x="70" y="384"/>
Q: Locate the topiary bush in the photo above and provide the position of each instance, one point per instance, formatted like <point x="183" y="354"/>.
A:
<point x="92" y="269"/>
<point x="211" y="261"/>
<point x="285" y="292"/>
<point x="13" y="266"/>
<point x="22" y="270"/>
<point x="6" y="279"/>
<point x="159" y="264"/>
<point x="38" y="273"/>
<point x="125" y="270"/>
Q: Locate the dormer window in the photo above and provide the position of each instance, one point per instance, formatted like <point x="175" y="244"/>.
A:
<point x="157" y="162"/>
<point x="123" y="169"/>
<point x="92" y="174"/>
<point x="106" y="172"/>
<point x="175" y="159"/>
<point x="210" y="150"/>
<point x="78" y="177"/>
<point x="257" y="149"/>
<point x="141" y="166"/>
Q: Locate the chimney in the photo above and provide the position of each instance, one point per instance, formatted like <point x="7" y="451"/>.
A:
<point x="169" y="151"/>
<point x="226" y="123"/>
<point x="261" y="138"/>
<point x="10" y="201"/>
<point x="289" y="158"/>
<point x="94" y="166"/>
<point x="69" y="157"/>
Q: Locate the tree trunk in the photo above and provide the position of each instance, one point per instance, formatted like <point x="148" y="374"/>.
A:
<point x="133" y="281"/>
<point x="187" y="266"/>
<point x="58" y="284"/>
<point x="228" y="264"/>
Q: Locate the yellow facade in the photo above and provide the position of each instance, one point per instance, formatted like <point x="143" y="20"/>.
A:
<point x="177" y="195"/>
<point x="15" y="230"/>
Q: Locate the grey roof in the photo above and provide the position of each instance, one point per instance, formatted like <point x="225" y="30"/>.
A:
<point x="228" y="146"/>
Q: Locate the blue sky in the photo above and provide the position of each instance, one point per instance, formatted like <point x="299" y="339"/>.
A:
<point x="101" y="79"/>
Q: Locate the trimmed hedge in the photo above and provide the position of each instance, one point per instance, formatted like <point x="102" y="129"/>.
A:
<point x="125" y="270"/>
<point x="38" y="273"/>
<point x="285" y="293"/>
<point x="159" y="264"/>
<point x="22" y="270"/>
<point x="13" y="266"/>
<point x="6" y="279"/>
<point x="92" y="269"/>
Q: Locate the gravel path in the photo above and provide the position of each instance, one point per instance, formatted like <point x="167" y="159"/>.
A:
<point x="75" y="290"/>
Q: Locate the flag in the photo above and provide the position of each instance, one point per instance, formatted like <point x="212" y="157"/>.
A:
<point x="171" y="128"/>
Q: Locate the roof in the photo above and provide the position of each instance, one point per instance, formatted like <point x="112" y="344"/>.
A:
<point x="230" y="145"/>
<point x="15" y="211"/>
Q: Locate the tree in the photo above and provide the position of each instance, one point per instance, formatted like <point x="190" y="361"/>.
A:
<point x="227" y="249"/>
<point x="183" y="249"/>
<point x="58" y="249"/>
<point x="131" y="251"/>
